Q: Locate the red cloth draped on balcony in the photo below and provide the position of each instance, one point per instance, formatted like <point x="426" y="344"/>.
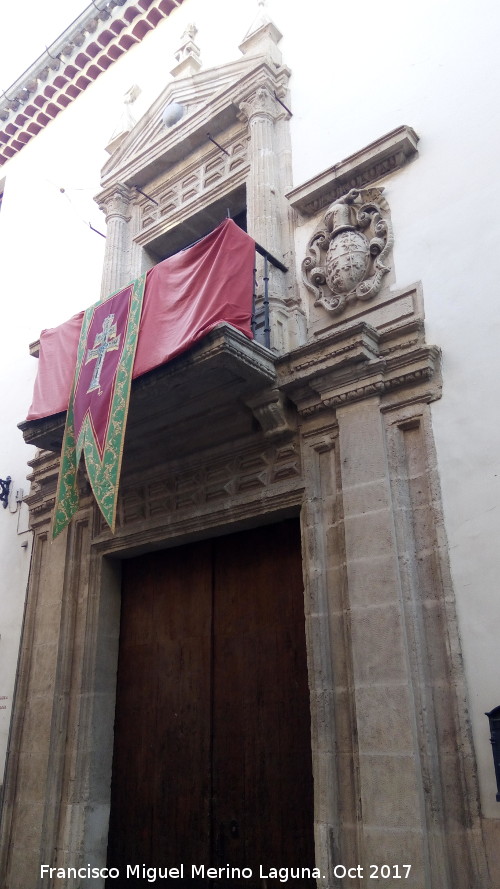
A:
<point x="186" y="296"/>
<point x="87" y="364"/>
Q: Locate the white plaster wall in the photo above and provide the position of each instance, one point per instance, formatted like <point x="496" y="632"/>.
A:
<point x="358" y="71"/>
<point x="434" y="67"/>
<point x="438" y="73"/>
<point x="15" y="544"/>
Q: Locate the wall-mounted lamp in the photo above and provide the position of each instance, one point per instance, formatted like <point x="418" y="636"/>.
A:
<point x="4" y="490"/>
<point x="494" y="718"/>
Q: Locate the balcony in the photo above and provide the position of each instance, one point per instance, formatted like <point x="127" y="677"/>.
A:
<point x="196" y="400"/>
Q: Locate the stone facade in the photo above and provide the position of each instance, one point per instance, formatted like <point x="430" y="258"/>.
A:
<point x="332" y="422"/>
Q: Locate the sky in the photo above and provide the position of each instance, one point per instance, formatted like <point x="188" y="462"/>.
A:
<point x="27" y="29"/>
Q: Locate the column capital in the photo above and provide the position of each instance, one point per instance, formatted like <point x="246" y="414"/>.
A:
<point x="115" y="202"/>
<point x="262" y="104"/>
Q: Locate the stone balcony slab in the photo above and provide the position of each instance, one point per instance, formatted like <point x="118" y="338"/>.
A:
<point x="197" y="398"/>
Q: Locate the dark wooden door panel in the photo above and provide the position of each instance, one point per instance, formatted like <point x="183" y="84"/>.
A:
<point x="161" y="764"/>
<point x="212" y="760"/>
<point x="262" y="747"/>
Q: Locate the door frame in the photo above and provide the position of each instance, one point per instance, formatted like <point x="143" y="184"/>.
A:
<point x="225" y="566"/>
<point x="334" y="755"/>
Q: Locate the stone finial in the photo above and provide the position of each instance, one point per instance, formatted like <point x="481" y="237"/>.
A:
<point x="127" y="120"/>
<point x="188" y="55"/>
<point x="263" y="36"/>
<point x="132" y="94"/>
<point x="261" y="19"/>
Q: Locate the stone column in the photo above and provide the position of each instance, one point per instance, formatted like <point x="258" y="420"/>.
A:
<point x="115" y="203"/>
<point x="261" y="112"/>
<point x="265" y="203"/>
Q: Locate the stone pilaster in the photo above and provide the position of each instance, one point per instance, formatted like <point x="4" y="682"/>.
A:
<point x="116" y="204"/>
<point x="397" y="783"/>
<point x="389" y="766"/>
<point x="333" y="731"/>
<point x="35" y="760"/>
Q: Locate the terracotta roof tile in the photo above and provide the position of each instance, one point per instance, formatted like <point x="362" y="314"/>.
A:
<point x="92" y="43"/>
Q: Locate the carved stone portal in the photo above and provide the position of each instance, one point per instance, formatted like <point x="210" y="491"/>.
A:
<point x="349" y="254"/>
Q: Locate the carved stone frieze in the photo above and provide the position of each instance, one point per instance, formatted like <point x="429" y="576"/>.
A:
<point x="202" y="178"/>
<point x="201" y="485"/>
<point x="347" y="257"/>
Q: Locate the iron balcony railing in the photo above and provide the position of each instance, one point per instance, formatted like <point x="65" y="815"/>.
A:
<point x="268" y="258"/>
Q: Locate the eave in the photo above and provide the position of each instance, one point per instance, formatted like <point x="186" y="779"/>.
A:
<point x="87" y="48"/>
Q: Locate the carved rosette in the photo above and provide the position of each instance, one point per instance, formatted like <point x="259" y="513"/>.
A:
<point x="347" y="259"/>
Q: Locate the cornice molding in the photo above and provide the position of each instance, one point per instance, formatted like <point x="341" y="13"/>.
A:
<point x="96" y="39"/>
<point x="379" y="159"/>
<point x="151" y="148"/>
<point x="41" y="498"/>
<point x="359" y="362"/>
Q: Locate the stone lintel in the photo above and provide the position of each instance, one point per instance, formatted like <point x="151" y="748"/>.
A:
<point x="192" y="218"/>
<point x="384" y="156"/>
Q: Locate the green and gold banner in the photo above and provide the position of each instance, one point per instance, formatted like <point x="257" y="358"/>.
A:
<point x="98" y="406"/>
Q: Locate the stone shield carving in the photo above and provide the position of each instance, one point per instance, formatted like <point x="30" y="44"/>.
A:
<point x="347" y="258"/>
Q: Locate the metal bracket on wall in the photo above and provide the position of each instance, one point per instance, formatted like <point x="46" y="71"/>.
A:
<point x="4" y="491"/>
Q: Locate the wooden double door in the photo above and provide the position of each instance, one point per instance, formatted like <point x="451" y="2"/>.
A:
<point x="212" y="751"/>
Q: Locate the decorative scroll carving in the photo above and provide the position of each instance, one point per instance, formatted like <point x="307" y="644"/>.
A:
<point x="349" y="254"/>
<point x="116" y="203"/>
<point x="271" y="412"/>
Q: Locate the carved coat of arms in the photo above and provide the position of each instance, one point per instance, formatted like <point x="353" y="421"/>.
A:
<point x="347" y="258"/>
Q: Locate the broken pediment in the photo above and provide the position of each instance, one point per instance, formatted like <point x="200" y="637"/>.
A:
<point x="207" y="102"/>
